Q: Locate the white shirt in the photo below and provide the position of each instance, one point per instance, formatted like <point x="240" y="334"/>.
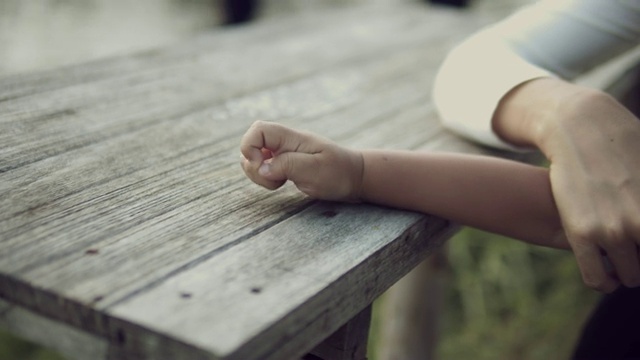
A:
<point x="563" y="38"/>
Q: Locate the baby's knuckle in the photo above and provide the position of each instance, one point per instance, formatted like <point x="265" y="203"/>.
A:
<point x="256" y="125"/>
<point x="290" y="166"/>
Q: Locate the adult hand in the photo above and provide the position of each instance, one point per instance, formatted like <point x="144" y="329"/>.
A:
<point x="320" y="168"/>
<point x="593" y="143"/>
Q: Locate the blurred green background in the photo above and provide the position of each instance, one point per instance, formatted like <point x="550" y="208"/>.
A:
<point x="13" y="348"/>
<point x="511" y="300"/>
<point x="506" y="300"/>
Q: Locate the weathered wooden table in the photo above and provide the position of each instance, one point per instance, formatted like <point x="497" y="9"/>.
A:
<point x="128" y="230"/>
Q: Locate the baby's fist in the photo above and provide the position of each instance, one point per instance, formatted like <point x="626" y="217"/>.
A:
<point x="320" y="168"/>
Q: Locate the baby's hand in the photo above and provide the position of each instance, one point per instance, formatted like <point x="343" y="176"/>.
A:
<point x="320" y="168"/>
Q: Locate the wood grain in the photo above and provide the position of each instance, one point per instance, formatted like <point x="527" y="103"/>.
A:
<point x="339" y="261"/>
<point x="124" y="212"/>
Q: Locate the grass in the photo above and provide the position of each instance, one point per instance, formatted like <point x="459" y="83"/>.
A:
<point x="14" y="348"/>
<point x="509" y="300"/>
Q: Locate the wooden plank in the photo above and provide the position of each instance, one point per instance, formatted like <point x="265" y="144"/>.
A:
<point x="71" y="265"/>
<point x="297" y="36"/>
<point x="89" y="276"/>
<point x="167" y="58"/>
<point x="305" y="24"/>
<point x="115" y="184"/>
<point x="155" y="94"/>
<point x="211" y="127"/>
<point x="50" y="135"/>
<point x="158" y="203"/>
<point x="342" y="263"/>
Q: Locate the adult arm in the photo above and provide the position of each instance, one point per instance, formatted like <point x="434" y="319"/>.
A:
<point x="552" y="38"/>
<point x="591" y="140"/>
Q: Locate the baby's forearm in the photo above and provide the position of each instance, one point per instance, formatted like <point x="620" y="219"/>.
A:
<point x="492" y="194"/>
<point x="496" y="195"/>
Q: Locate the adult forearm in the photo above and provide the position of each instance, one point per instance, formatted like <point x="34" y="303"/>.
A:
<point x="496" y="195"/>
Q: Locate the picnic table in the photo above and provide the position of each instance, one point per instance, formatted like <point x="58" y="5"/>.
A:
<point x="128" y="230"/>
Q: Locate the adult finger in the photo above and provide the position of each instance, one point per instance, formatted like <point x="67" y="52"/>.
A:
<point x="592" y="268"/>
<point x="624" y="258"/>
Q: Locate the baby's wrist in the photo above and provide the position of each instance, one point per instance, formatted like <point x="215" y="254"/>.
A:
<point x="357" y="176"/>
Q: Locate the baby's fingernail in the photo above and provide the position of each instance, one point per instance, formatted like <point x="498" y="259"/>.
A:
<point x="264" y="169"/>
<point x="256" y="155"/>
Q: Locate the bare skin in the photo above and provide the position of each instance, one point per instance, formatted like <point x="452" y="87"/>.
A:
<point x="496" y="195"/>
<point x="593" y="143"/>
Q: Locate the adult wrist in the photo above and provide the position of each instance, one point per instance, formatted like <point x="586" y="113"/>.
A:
<point x="564" y="117"/>
<point x="530" y="114"/>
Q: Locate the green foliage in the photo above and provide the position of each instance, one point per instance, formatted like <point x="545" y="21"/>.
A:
<point x="507" y="300"/>
<point x="510" y="300"/>
<point x="14" y="348"/>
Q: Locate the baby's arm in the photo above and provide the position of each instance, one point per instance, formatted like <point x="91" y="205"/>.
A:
<point x="496" y="195"/>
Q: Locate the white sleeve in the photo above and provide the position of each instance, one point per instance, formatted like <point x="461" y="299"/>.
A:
<point x="561" y="38"/>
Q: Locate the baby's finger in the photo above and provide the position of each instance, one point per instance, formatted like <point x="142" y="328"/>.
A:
<point x="251" y="170"/>
<point x="300" y="168"/>
<point x="272" y="136"/>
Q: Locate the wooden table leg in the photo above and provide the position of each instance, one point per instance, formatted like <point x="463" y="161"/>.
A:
<point x="410" y="312"/>
<point x="347" y="343"/>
